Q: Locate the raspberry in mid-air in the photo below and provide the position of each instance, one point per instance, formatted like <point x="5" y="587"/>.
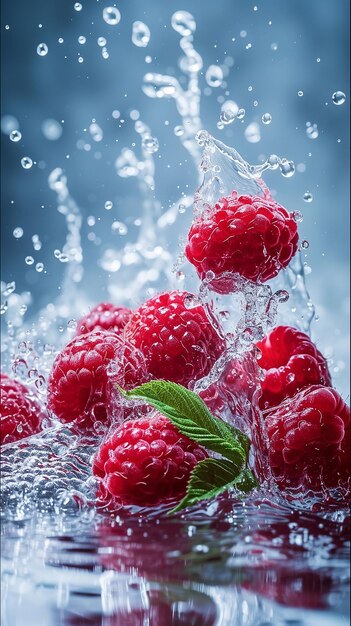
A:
<point x="309" y="441"/>
<point x="78" y="386"/>
<point x="20" y="414"/>
<point x="291" y="361"/>
<point x="252" y="236"/>
<point x="146" y="461"/>
<point x="179" y="341"/>
<point x="105" y="316"/>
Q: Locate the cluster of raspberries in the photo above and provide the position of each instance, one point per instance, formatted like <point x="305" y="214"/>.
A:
<point x="174" y="337"/>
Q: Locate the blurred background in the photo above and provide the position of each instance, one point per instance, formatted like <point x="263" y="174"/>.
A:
<point x="60" y="77"/>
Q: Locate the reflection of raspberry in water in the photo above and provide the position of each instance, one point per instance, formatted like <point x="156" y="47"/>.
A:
<point x="21" y="414"/>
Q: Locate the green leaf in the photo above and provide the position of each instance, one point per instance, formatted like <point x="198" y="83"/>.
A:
<point x="192" y="417"/>
<point x="210" y="478"/>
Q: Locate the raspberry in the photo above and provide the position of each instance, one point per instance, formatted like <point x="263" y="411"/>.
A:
<point x="291" y="362"/>
<point x="20" y="413"/>
<point x="309" y="441"/>
<point x="145" y="462"/>
<point x="105" y="316"/>
<point x="78" y="386"/>
<point x="247" y="235"/>
<point x="180" y="344"/>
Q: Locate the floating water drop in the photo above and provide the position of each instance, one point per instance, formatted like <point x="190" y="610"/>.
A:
<point x="287" y="168"/>
<point x="274" y="46"/>
<point x="273" y="161"/>
<point x="109" y="261"/>
<point x="77" y="6"/>
<point x="96" y="132"/>
<point x="105" y="53"/>
<point x="241" y="114"/>
<point x="39" y="267"/>
<point x="10" y="288"/>
<point x="266" y="118"/>
<point x="150" y="144"/>
<point x="60" y="40"/>
<point x="312" y="130"/>
<point x="297" y="216"/>
<point x="184" y="23"/>
<point x="308" y="197"/>
<point x="140" y="34"/>
<point x="8" y="124"/>
<point x="253" y="133"/>
<point x="26" y="163"/>
<point x="229" y="112"/>
<point x="80" y="59"/>
<point x="82" y="39"/>
<point x="179" y="131"/>
<point x="18" y="232"/>
<point x="51" y="129"/>
<point x="119" y="227"/>
<point x="108" y="206"/>
<point x="15" y="135"/>
<point x="282" y="295"/>
<point x="29" y="260"/>
<point x="338" y="97"/>
<point x="42" y="49"/>
<point x="111" y="15"/>
<point x="214" y="76"/>
<point x="101" y="41"/>
<point x="300" y="94"/>
<point x="305" y="244"/>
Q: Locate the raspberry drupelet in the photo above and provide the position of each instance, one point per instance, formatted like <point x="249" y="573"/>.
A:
<point x="180" y="343"/>
<point x="252" y="236"/>
<point x="146" y="461"/>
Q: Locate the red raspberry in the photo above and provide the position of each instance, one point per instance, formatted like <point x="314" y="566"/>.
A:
<point x="145" y="462"/>
<point x="180" y="344"/>
<point x="309" y="443"/>
<point x="78" y="386"/>
<point x="105" y="316"/>
<point x="248" y="235"/>
<point x="292" y="362"/>
<point x="20" y="413"/>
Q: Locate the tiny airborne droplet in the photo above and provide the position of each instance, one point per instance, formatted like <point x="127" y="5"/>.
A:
<point x="108" y="205"/>
<point x="312" y="130"/>
<point x="15" y="135"/>
<point x="140" y="34"/>
<point x="338" y="97"/>
<point x="266" y="118"/>
<point x="308" y="197"/>
<point x="287" y="168"/>
<point x="214" y="76"/>
<point x="26" y="163"/>
<point x="150" y="144"/>
<point x="18" y="232"/>
<point x="184" y="23"/>
<point x="42" y="49"/>
<point x="111" y="16"/>
<point x="78" y="6"/>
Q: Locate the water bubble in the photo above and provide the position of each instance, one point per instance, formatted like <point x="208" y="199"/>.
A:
<point x="101" y="41"/>
<point x="253" y="133"/>
<point x="77" y="6"/>
<point x="273" y="161"/>
<point x="179" y="131"/>
<point x="72" y="324"/>
<point x="140" y="34"/>
<point x="300" y="93"/>
<point x="148" y="59"/>
<point x="42" y="49"/>
<point x="308" y="197"/>
<point x="82" y="39"/>
<point x="180" y="275"/>
<point x="108" y="205"/>
<point x="241" y="114"/>
<point x="15" y="135"/>
<point x="119" y="227"/>
<point x="60" y="40"/>
<point x="274" y="46"/>
<point x="29" y="260"/>
<point x="80" y="59"/>
<point x="297" y="216"/>
<point x="182" y="208"/>
<point x="10" y="288"/>
<point x="282" y="295"/>
<point x="266" y="118"/>
<point x="338" y="97"/>
<point x="150" y="144"/>
<point x="287" y="168"/>
<point x="3" y="307"/>
<point x="305" y="244"/>
<point x="191" y="301"/>
<point x="26" y="163"/>
<point x="18" y="232"/>
<point x="51" y="129"/>
<point x="184" y="23"/>
<point x="111" y="15"/>
<point x="96" y="132"/>
<point x="8" y="124"/>
<point x="229" y="112"/>
<point x="105" y="53"/>
<point x="110" y="261"/>
<point x="311" y="130"/>
<point x="214" y="76"/>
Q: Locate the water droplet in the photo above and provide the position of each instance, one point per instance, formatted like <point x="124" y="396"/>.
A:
<point x="229" y="112"/>
<point x="96" y="132"/>
<point x="305" y="244"/>
<point x="300" y="93"/>
<point x="184" y="23"/>
<point x="77" y="6"/>
<point x="312" y="130"/>
<point x="29" y="260"/>
<point x="274" y="46"/>
<point x="308" y="197"/>
<point x="273" y="161"/>
<point x="253" y="133"/>
<point x="191" y="301"/>
<point x="72" y="324"/>
<point x="287" y="168"/>
<point x="338" y="97"/>
<point x="26" y="163"/>
<point x="10" y="288"/>
<point x="18" y="232"/>
<point x="101" y="41"/>
<point x="140" y="34"/>
<point x="80" y="59"/>
<point x="266" y="118"/>
<point x="60" y="40"/>
<point x="42" y="49"/>
<point x="105" y="53"/>
<point x="318" y="60"/>
<point x="241" y="114"/>
<point x="282" y="295"/>
<point x="111" y="15"/>
<point x="179" y="131"/>
<point x="297" y="216"/>
<point x="180" y="275"/>
<point x="51" y="129"/>
<point x="119" y="227"/>
<point x="108" y="206"/>
<point x="182" y="208"/>
<point x="214" y="76"/>
<point x="82" y="39"/>
<point x="9" y="123"/>
<point x="150" y="144"/>
<point x="243" y="34"/>
<point x="15" y="135"/>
